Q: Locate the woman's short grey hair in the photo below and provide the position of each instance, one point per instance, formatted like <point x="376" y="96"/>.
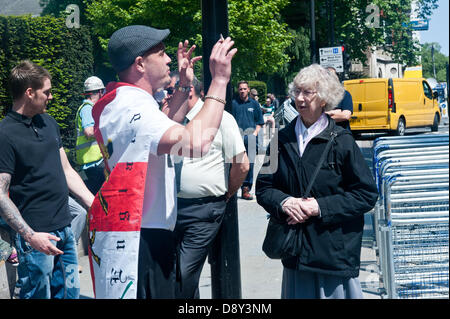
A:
<point x="317" y="78"/>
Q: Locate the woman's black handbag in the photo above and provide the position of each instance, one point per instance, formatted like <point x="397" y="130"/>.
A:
<point x="283" y="240"/>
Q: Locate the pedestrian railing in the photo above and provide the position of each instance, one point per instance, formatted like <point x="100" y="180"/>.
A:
<point x="412" y="214"/>
<point x="285" y="113"/>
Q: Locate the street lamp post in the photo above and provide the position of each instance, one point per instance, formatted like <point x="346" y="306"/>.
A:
<point x="432" y="59"/>
<point x="224" y="253"/>
<point x="313" y="31"/>
<point x="330" y="14"/>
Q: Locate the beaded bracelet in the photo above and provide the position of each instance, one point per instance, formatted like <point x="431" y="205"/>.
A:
<point x="218" y="99"/>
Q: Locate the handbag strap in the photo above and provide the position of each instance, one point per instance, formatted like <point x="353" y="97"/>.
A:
<point x="319" y="164"/>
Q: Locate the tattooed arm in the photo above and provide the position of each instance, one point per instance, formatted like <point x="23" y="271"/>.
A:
<point x="12" y="216"/>
<point x="9" y="211"/>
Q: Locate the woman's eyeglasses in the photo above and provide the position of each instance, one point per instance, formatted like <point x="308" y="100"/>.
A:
<point x="306" y="93"/>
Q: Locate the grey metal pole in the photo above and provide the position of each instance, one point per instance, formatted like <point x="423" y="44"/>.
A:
<point x="332" y="22"/>
<point x="432" y="59"/>
<point x="446" y="75"/>
<point x="224" y="254"/>
<point x="313" y="32"/>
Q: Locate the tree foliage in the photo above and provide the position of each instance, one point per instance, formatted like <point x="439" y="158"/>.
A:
<point x="365" y="24"/>
<point x="255" y="25"/>
<point x="440" y="61"/>
<point x="260" y="87"/>
<point x="261" y="37"/>
<point x="425" y="8"/>
<point x="273" y="37"/>
<point x="65" y="53"/>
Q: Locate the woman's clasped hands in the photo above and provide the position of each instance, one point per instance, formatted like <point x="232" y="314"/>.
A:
<point x="300" y="209"/>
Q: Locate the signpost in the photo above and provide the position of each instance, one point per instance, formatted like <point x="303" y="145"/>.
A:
<point x="332" y="57"/>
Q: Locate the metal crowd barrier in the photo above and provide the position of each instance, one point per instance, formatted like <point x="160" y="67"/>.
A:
<point x="412" y="214"/>
<point x="285" y="113"/>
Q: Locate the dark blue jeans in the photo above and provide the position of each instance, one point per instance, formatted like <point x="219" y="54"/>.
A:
<point x="42" y="276"/>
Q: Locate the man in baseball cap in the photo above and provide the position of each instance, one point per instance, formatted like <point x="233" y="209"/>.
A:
<point x="138" y="140"/>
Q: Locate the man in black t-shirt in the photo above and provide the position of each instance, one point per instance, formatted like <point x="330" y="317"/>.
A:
<point x="35" y="180"/>
<point x="249" y="118"/>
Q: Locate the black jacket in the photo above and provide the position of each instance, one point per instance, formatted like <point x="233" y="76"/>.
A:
<point x="344" y="189"/>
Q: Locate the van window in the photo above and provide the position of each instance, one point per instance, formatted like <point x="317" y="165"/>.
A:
<point x="427" y="90"/>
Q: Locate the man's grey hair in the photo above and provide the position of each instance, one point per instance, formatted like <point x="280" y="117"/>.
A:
<point x="198" y="86"/>
<point x="175" y="74"/>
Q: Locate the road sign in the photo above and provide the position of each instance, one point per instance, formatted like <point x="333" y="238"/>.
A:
<point x="417" y="24"/>
<point x="332" y="57"/>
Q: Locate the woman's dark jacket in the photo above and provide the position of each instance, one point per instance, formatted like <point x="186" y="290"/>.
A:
<point x="344" y="190"/>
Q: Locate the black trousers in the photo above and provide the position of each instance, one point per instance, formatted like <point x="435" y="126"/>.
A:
<point x="198" y="222"/>
<point x="156" y="267"/>
<point x="95" y="178"/>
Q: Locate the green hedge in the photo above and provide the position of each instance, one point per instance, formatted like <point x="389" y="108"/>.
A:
<point x="261" y="87"/>
<point x="65" y="53"/>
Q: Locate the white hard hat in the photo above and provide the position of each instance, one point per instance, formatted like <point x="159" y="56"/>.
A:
<point x="93" y="83"/>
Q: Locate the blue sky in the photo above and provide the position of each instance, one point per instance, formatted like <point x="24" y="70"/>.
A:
<point x="438" y="31"/>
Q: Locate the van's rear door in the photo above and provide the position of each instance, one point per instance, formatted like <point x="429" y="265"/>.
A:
<point x="376" y="103"/>
<point x="356" y="89"/>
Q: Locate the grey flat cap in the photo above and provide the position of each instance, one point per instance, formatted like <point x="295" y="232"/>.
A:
<point x="132" y="41"/>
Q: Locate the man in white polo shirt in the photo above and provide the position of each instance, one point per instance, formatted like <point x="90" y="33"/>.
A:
<point x="205" y="185"/>
<point x="131" y="222"/>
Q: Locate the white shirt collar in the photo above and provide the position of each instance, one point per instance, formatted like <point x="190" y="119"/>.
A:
<point x="304" y="134"/>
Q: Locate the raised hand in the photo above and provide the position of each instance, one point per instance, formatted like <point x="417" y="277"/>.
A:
<point x="186" y="62"/>
<point x="220" y="60"/>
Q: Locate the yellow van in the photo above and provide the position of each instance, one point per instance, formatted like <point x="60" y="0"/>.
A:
<point x="392" y="105"/>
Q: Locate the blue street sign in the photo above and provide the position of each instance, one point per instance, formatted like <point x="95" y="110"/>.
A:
<point x="417" y="24"/>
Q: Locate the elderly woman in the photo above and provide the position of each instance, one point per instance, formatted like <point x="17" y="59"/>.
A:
<point x="331" y="219"/>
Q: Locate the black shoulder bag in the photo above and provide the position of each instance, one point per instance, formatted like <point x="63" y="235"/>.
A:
<point x="283" y="240"/>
